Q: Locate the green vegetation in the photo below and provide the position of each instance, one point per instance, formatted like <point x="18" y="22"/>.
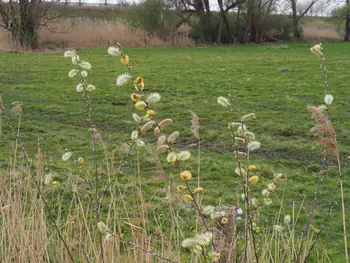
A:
<point x="86" y="12"/>
<point x="190" y="79"/>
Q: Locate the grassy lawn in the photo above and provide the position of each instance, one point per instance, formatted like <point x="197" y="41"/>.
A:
<point x="191" y="79"/>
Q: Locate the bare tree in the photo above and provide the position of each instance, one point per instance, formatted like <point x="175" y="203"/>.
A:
<point x="186" y="8"/>
<point x="223" y="18"/>
<point x="347" y="24"/>
<point x="265" y="8"/>
<point x="300" y="10"/>
<point x="343" y="13"/>
<point x="255" y="16"/>
<point x="23" y="19"/>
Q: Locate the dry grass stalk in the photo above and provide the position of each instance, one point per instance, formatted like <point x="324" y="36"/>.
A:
<point x="72" y="33"/>
<point x="224" y="235"/>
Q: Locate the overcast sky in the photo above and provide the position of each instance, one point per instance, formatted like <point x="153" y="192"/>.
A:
<point x="322" y="8"/>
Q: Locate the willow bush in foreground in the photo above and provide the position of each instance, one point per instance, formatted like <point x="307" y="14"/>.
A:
<point x="102" y="224"/>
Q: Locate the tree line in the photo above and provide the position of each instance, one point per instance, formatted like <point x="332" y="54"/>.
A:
<point x="235" y="21"/>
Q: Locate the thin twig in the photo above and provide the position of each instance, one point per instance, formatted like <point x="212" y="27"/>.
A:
<point x="311" y="213"/>
<point x="119" y="171"/>
<point x="248" y="222"/>
<point x="153" y="253"/>
<point x="343" y="210"/>
<point x="177" y="164"/>
<point x="84" y="251"/>
<point x="326" y="88"/>
<point x="325" y="222"/>
<point x="94" y="150"/>
<point x="195" y="203"/>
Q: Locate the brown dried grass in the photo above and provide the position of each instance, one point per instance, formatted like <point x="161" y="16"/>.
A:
<point x="5" y="41"/>
<point x="27" y="235"/>
<point x="319" y="30"/>
<point x="87" y="33"/>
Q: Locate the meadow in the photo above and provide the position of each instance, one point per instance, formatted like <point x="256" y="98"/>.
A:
<point x="275" y="81"/>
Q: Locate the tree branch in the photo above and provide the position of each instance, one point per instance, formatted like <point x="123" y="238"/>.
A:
<point x="307" y="9"/>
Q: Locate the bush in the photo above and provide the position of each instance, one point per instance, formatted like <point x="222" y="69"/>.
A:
<point x="154" y="16"/>
<point x="279" y="27"/>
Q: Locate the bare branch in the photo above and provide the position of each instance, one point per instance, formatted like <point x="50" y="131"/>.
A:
<point x="307" y="9"/>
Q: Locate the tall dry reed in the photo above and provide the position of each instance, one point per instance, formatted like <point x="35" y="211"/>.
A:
<point x="71" y="33"/>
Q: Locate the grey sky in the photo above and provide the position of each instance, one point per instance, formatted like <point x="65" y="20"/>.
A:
<point x="322" y="8"/>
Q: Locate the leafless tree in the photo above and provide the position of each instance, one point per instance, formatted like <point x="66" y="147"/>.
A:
<point x="342" y="13"/>
<point x="22" y="19"/>
<point x="300" y="10"/>
<point x="255" y="13"/>
<point x="347" y="24"/>
<point x="224" y="9"/>
<point x="186" y="8"/>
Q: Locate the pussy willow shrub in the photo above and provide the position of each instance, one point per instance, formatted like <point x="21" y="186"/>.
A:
<point x="220" y="236"/>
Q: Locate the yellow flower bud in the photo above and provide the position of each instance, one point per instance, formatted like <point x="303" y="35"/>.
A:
<point x="150" y="114"/>
<point x="81" y="160"/>
<point x="140" y="87"/>
<point x="139" y="80"/>
<point x="139" y="84"/>
<point x="214" y="256"/>
<point x="188" y="198"/>
<point x="125" y="59"/>
<point x="180" y="188"/>
<point x="198" y="190"/>
<point x="224" y="220"/>
<point x="254" y="179"/>
<point x="252" y="168"/>
<point x="185" y="175"/>
<point x="140" y="105"/>
<point x="172" y="157"/>
<point x="136" y="97"/>
<point x="257" y="229"/>
<point x="197" y="249"/>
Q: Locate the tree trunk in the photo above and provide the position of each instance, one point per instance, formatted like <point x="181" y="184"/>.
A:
<point x="218" y="37"/>
<point x="206" y="4"/>
<point x="257" y="22"/>
<point x="263" y="20"/>
<point x="296" y="31"/>
<point x="347" y="29"/>
<point x="199" y="6"/>
<point x="238" y="29"/>
<point x="27" y="33"/>
<point x="224" y="18"/>
<point x="248" y="22"/>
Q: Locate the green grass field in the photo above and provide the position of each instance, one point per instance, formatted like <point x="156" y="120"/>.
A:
<point x="191" y="79"/>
